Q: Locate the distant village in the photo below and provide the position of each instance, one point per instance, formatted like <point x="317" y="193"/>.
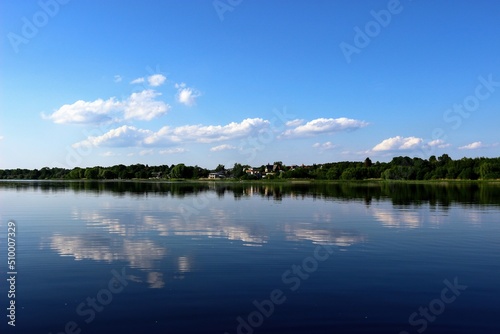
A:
<point x="265" y="171"/>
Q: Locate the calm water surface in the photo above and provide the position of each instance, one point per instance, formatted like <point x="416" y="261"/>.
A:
<point x="214" y="258"/>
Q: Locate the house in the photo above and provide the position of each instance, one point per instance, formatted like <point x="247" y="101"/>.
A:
<point x="273" y="168"/>
<point x="253" y="171"/>
<point x="156" y="175"/>
<point x="217" y="175"/>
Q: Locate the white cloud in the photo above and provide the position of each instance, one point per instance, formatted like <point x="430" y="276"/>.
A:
<point x="156" y="80"/>
<point x="186" y="95"/>
<point x="399" y="143"/>
<point x="325" y="146"/>
<point x="1" y="137"/>
<point x="324" y="125"/>
<point x="173" y="150"/>
<point x="222" y="147"/>
<point x="130" y="136"/>
<point x="161" y="137"/>
<point x="209" y="133"/>
<point x="142" y="105"/>
<point x="117" y="78"/>
<point x="472" y="146"/>
<point x="124" y="136"/>
<point x="82" y="112"/>
<point x="294" y="123"/>
<point x="438" y="143"/>
<point x="137" y="81"/>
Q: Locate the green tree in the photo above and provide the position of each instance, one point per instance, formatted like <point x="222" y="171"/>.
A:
<point x="490" y="170"/>
<point x="34" y="174"/>
<point x="109" y="174"/>
<point x="120" y="171"/>
<point x="444" y="160"/>
<point x="237" y="170"/>
<point x="348" y="174"/>
<point x="178" y="171"/>
<point x="181" y="171"/>
<point x="92" y="173"/>
<point x="45" y="173"/>
<point x="468" y="174"/>
<point x="75" y="174"/>
<point x="333" y="173"/>
<point x="440" y="173"/>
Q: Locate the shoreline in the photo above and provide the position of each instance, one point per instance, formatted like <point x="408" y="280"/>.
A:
<point x="274" y="181"/>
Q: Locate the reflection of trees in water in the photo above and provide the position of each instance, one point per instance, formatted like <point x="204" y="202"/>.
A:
<point x="400" y="193"/>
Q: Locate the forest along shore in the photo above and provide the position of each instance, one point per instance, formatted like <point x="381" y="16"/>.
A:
<point x="399" y="168"/>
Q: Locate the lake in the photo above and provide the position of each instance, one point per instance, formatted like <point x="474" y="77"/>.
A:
<point x="151" y="257"/>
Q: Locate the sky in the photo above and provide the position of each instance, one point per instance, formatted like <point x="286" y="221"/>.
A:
<point x="204" y="82"/>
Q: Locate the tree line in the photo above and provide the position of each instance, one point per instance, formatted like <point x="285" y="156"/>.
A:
<point x="399" y="168"/>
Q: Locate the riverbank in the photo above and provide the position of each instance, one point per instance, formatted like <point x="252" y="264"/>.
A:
<point x="264" y="181"/>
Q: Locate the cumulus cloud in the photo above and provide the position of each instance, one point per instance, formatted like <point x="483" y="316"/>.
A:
<point x="323" y="125"/>
<point x="130" y="136"/>
<point x="186" y="95"/>
<point x="294" y="123"/>
<point x="137" y="81"/>
<point x="161" y="137"/>
<point x="438" y="143"/>
<point x="117" y="78"/>
<point x="156" y="80"/>
<point x="82" y="112"/>
<point x="472" y="146"/>
<point x="209" y="133"/>
<point x="124" y="136"/>
<point x="222" y="147"/>
<point x="399" y="143"/>
<point x="142" y="105"/>
<point x="1" y="137"/>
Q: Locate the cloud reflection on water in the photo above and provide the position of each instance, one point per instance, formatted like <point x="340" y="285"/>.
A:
<point x="142" y="237"/>
<point x="141" y="230"/>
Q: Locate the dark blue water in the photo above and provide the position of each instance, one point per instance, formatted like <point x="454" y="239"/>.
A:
<point x="170" y="258"/>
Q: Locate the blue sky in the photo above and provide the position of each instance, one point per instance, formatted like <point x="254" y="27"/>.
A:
<point x="87" y="83"/>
